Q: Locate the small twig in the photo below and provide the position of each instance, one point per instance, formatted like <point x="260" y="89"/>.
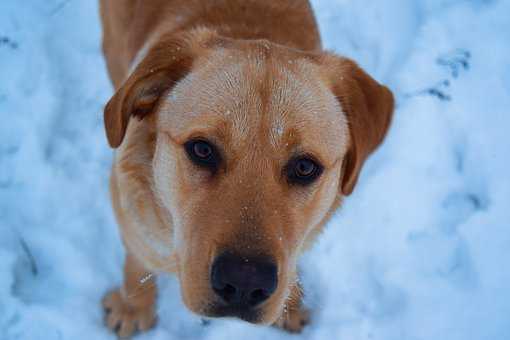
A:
<point x="146" y="277"/>
<point x="140" y="290"/>
<point x="31" y="260"/>
<point x="143" y="286"/>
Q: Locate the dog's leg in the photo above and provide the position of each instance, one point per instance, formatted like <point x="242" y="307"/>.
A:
<point x="131" y="307"/>
<point x="294" y="316"/>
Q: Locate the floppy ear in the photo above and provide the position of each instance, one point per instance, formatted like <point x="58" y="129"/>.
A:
<point x="164" y="65"/>
<point x="369" y="109"/>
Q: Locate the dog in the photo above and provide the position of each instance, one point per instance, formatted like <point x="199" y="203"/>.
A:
<point x="237" y="137"/>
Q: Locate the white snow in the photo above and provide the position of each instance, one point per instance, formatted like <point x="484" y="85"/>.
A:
<point x="420" y="251"/>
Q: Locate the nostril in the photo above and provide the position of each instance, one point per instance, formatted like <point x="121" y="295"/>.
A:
<point x="228" y="293"/>
<point x="258" y="296"/>
<point x="229" y="289"/>
<point x="239" y="282"/>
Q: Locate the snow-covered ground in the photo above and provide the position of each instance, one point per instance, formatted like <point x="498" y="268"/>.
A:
<point x="419" y="252"/>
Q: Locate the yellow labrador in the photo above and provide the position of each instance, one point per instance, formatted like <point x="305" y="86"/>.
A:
<point x="237" y="137"/>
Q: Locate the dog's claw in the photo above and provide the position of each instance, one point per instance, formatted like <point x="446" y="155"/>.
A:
<point x="125" y="319"/>
<point x="294" y="320"/>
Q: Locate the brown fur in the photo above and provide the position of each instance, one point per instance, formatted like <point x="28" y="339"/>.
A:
<point x="249" y="76"/>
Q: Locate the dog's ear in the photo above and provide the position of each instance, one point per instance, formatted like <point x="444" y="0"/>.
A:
<point x="165" y="64"/>
<point x="368" y="106"/>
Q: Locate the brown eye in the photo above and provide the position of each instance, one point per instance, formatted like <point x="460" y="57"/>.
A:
<point x="303" y="170"/>
<point x="202" y="150"/>
<point x="203" y="154"/>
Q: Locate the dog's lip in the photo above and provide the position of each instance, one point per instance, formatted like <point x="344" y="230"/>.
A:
<point x="251" y="315"/>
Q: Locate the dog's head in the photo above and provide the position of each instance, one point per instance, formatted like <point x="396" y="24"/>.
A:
<point x="255" y="145"/>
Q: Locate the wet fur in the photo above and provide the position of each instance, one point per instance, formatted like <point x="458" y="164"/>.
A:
<point x="251" y="77"/>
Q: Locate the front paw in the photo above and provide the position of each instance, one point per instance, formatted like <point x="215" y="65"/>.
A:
<point x="293" y="320"/>
<point x="124" y="318"/>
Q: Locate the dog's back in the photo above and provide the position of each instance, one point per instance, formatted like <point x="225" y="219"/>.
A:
<point x="129" y="24"/>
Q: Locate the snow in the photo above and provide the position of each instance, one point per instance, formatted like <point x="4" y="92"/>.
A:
<point x="418" y="252"/>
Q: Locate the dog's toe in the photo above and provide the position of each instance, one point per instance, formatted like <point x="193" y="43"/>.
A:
<point x="125" y="319"/>
<point x="294" y="320"/>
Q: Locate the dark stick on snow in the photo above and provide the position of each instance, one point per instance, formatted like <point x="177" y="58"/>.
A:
<point x="31" y="260"/>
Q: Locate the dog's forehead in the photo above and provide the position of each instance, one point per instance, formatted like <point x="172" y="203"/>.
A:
<point x="303" y="109"/>
<point x="245" y="97"/>
<point x="208" y="95"/>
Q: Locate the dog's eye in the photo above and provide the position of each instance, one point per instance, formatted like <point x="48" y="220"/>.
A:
<point x="303" y="170"/>
<point x="202" y="153"/>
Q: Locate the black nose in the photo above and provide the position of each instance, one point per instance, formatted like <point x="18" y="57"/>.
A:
<point x="243" y="281"/>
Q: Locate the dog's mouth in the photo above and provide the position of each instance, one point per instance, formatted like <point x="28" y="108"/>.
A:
<point x="240" y="286"/>
<point x="234" y="311"/>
